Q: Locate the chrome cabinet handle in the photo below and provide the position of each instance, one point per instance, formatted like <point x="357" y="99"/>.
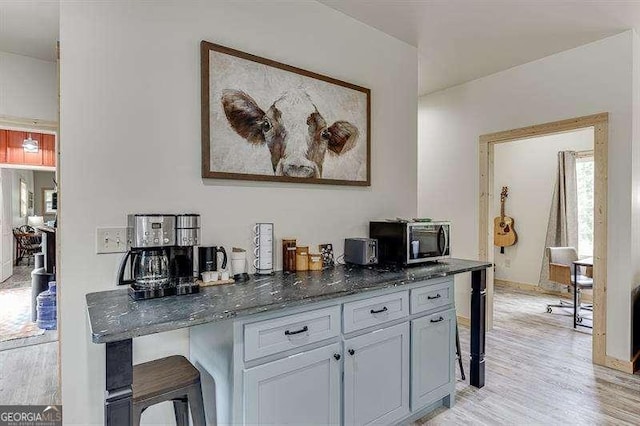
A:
<point x="437" y="320"/>
<point x="302" y="330"/>
<point x="384" y="309"/>
<point x="437" y="296"/>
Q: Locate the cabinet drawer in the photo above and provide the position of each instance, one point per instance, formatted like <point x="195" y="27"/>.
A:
<point x="431" y="297"/>
<point x="375" y="311"/>
<point x="280" y="334"/>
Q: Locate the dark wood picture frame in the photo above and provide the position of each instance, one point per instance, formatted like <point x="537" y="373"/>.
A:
<point x="205" y="49"/>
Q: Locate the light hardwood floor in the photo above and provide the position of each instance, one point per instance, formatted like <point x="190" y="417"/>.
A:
<point x="21" y="278"/>
<point x="29" y="375"/>
<point x="539" y="371"/>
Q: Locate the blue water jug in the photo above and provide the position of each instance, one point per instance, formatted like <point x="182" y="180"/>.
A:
<point x="46" y="306"/>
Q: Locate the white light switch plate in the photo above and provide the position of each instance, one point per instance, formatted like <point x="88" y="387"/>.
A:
<point x="111" y="240"/>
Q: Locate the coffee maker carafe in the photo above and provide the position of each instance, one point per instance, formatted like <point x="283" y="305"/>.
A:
<point x="151" y="268"/>
<point x="160" y="257"/>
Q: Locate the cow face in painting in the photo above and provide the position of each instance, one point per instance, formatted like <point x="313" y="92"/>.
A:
<point x="293" y="129"/>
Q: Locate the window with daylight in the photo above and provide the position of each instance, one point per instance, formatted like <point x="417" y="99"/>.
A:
<point x="585" y="176"/>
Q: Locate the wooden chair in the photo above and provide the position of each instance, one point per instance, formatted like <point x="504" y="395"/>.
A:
<point x="27" y="243"/>
<point x="172" y="378"/>
<point x="561" y="271"/>
<point x="27" y="229"/>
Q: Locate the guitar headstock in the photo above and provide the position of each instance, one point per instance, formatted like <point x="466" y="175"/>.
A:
<point x="504" y="194"/>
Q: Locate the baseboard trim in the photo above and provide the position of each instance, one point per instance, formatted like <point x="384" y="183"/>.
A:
<point x="464" y="321"/>
<point x="620" y="365"/>
<point x="536" y="289"/>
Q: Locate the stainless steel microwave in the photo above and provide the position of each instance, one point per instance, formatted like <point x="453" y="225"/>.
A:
<point x="411" y="243"/>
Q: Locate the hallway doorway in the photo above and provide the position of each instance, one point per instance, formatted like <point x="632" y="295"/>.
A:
<point x="599" y="123"/>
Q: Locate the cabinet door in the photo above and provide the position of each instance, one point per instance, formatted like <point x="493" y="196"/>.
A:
<point x="432" y="358"/>
<point x="376" y="376"/>
<point x="300" y="389"/>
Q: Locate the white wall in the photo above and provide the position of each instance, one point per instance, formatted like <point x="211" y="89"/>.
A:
<point x="42" y="180"/>
<point x="635" y="229"/>
<point x="28" y="87"/>
<point x="18" y="175"/>
<point x="529" y="168"/>
<point x="586" y="80"/>
<point x="130" y="78"/>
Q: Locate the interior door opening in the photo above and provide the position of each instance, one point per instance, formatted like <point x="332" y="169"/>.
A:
<point x="589" y="241"/>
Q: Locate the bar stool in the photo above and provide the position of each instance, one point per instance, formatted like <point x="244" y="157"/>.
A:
<point x="172" y="378"/>
<point x="459" y="354"/>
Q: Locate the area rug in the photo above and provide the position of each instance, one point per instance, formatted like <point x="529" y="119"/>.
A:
<point x="15" y="315"/>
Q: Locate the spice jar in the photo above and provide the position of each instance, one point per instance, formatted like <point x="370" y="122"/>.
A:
<point x="302" y="258"/>
<point x="289" y="255"/>
<point x="315" y="262"/>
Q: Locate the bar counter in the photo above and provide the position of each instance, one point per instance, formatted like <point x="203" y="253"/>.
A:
<point x="115" y="319"/>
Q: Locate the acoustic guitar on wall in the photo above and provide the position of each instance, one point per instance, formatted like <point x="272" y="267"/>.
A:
<point x="504" y="233"/>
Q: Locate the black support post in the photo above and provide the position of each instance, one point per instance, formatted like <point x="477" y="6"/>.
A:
<point x="119" y="394"/>
<point x="478" y="326"/>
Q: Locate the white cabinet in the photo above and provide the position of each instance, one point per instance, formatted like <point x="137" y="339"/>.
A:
<point x="432" y="357"/>
<point x="300" y="389"/>
<point x="380" y="358"/>
<point x="376" y="376"/>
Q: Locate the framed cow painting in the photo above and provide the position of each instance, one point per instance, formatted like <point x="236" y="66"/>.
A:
<point x="264" y="120"/>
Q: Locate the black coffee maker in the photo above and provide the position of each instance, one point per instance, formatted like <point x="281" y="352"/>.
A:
<point x="160" y="259"/>
<point x="208" y="259"/>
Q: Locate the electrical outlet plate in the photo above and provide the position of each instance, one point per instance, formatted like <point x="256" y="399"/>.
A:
<point x="111" y="240"/>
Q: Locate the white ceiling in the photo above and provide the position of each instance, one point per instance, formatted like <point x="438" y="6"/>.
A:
<point x="457" y="40"/>
<point x="461" y="40"/>
<point x="29" y="27"/>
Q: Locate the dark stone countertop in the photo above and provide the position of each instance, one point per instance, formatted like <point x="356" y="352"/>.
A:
<point x="113" y="315"/>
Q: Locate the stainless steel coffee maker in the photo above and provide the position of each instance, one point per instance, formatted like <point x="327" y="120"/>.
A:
<point x="160" y="259"/>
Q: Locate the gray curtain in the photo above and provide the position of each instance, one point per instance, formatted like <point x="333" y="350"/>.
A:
<point x="562" y="230"/>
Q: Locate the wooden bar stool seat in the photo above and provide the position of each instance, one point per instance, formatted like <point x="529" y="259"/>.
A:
<point x="172" y="378"/>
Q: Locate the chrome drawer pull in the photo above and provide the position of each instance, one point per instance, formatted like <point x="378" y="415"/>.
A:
<point x="384" y="309"/>
<point x="302" y="330"/>
<point x="437" y="296"/>
<point x="437" y="320"/>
